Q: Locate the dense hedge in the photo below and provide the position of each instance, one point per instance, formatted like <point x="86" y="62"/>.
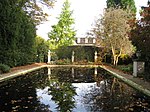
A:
<point x="17" y="34"/>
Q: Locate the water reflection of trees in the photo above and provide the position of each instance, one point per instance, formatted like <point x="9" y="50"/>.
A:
<point x="62" y="93"/>
<point x="109" y="94"/>
<point x="19" y="94"/>
<point x="73" y="74"/>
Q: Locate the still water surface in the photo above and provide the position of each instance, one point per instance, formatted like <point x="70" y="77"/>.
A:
<point x="70" y="90"/>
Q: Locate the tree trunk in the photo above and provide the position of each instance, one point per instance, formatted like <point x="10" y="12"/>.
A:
<point x="114" y="61"/>
<point x="115" y="56"/>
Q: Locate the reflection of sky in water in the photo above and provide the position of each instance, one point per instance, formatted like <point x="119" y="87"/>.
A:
<point x="81" y="89"/>
<point x="44" y="98"/>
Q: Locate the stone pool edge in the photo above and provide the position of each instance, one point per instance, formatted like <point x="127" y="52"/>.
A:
<point x="10" y="75"/>
<point x="131" y="83"/>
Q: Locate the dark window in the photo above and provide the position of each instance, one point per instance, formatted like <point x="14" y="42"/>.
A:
<point x="90" y="40"/>
<point x="82" y="40"/>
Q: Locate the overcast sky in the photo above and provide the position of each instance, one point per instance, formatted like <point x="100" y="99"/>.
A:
<point x="85" y="13"/>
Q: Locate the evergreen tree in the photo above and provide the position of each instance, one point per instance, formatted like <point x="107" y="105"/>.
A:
<point x="63" y="33"/>
<point x="17" y="34"/>
<point x="125" y="4"/>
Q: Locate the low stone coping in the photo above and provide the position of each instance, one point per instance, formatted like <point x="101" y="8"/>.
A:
<point x="140" y="85"/>
<point x="10" y="75"/>
<point x="72" y="66"/>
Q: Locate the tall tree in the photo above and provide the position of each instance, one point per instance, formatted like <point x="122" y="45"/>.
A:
<point x="140" y="34"/>
<point x="17" y="34"/>
<point x="63" y="33"/>
<point x="125" y="4"/>
<point x="112" y="32"/>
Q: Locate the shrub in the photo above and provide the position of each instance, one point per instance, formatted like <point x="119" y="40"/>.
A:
<point x="126" y="68"/>
<point x="62" y="62"/>
<point x="4" y="68"/>
<point x="54" y="56"/>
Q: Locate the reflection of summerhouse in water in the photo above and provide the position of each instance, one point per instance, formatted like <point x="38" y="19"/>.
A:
<point x="84" y="49"/>
<point x="83" y="74"/>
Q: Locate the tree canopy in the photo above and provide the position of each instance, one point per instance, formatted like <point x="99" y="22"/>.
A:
<point x="124" y="4"/>
<point x="140" y="34"/>
<point x="42" y="47"/>
<point x="34" y="8"/>
<point x="112" y="33"/>
<point x="63" y="33"/>
<point x="18" y="31"/>
<point x="16" y="34"/>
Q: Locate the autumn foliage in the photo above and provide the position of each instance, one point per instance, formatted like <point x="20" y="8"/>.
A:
<point x="140" y="34"/>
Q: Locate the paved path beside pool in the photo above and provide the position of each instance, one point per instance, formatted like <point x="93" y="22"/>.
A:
<point x="137" y="83"/>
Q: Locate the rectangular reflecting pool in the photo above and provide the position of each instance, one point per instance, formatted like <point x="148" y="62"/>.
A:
<point x="70" y="90"/>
